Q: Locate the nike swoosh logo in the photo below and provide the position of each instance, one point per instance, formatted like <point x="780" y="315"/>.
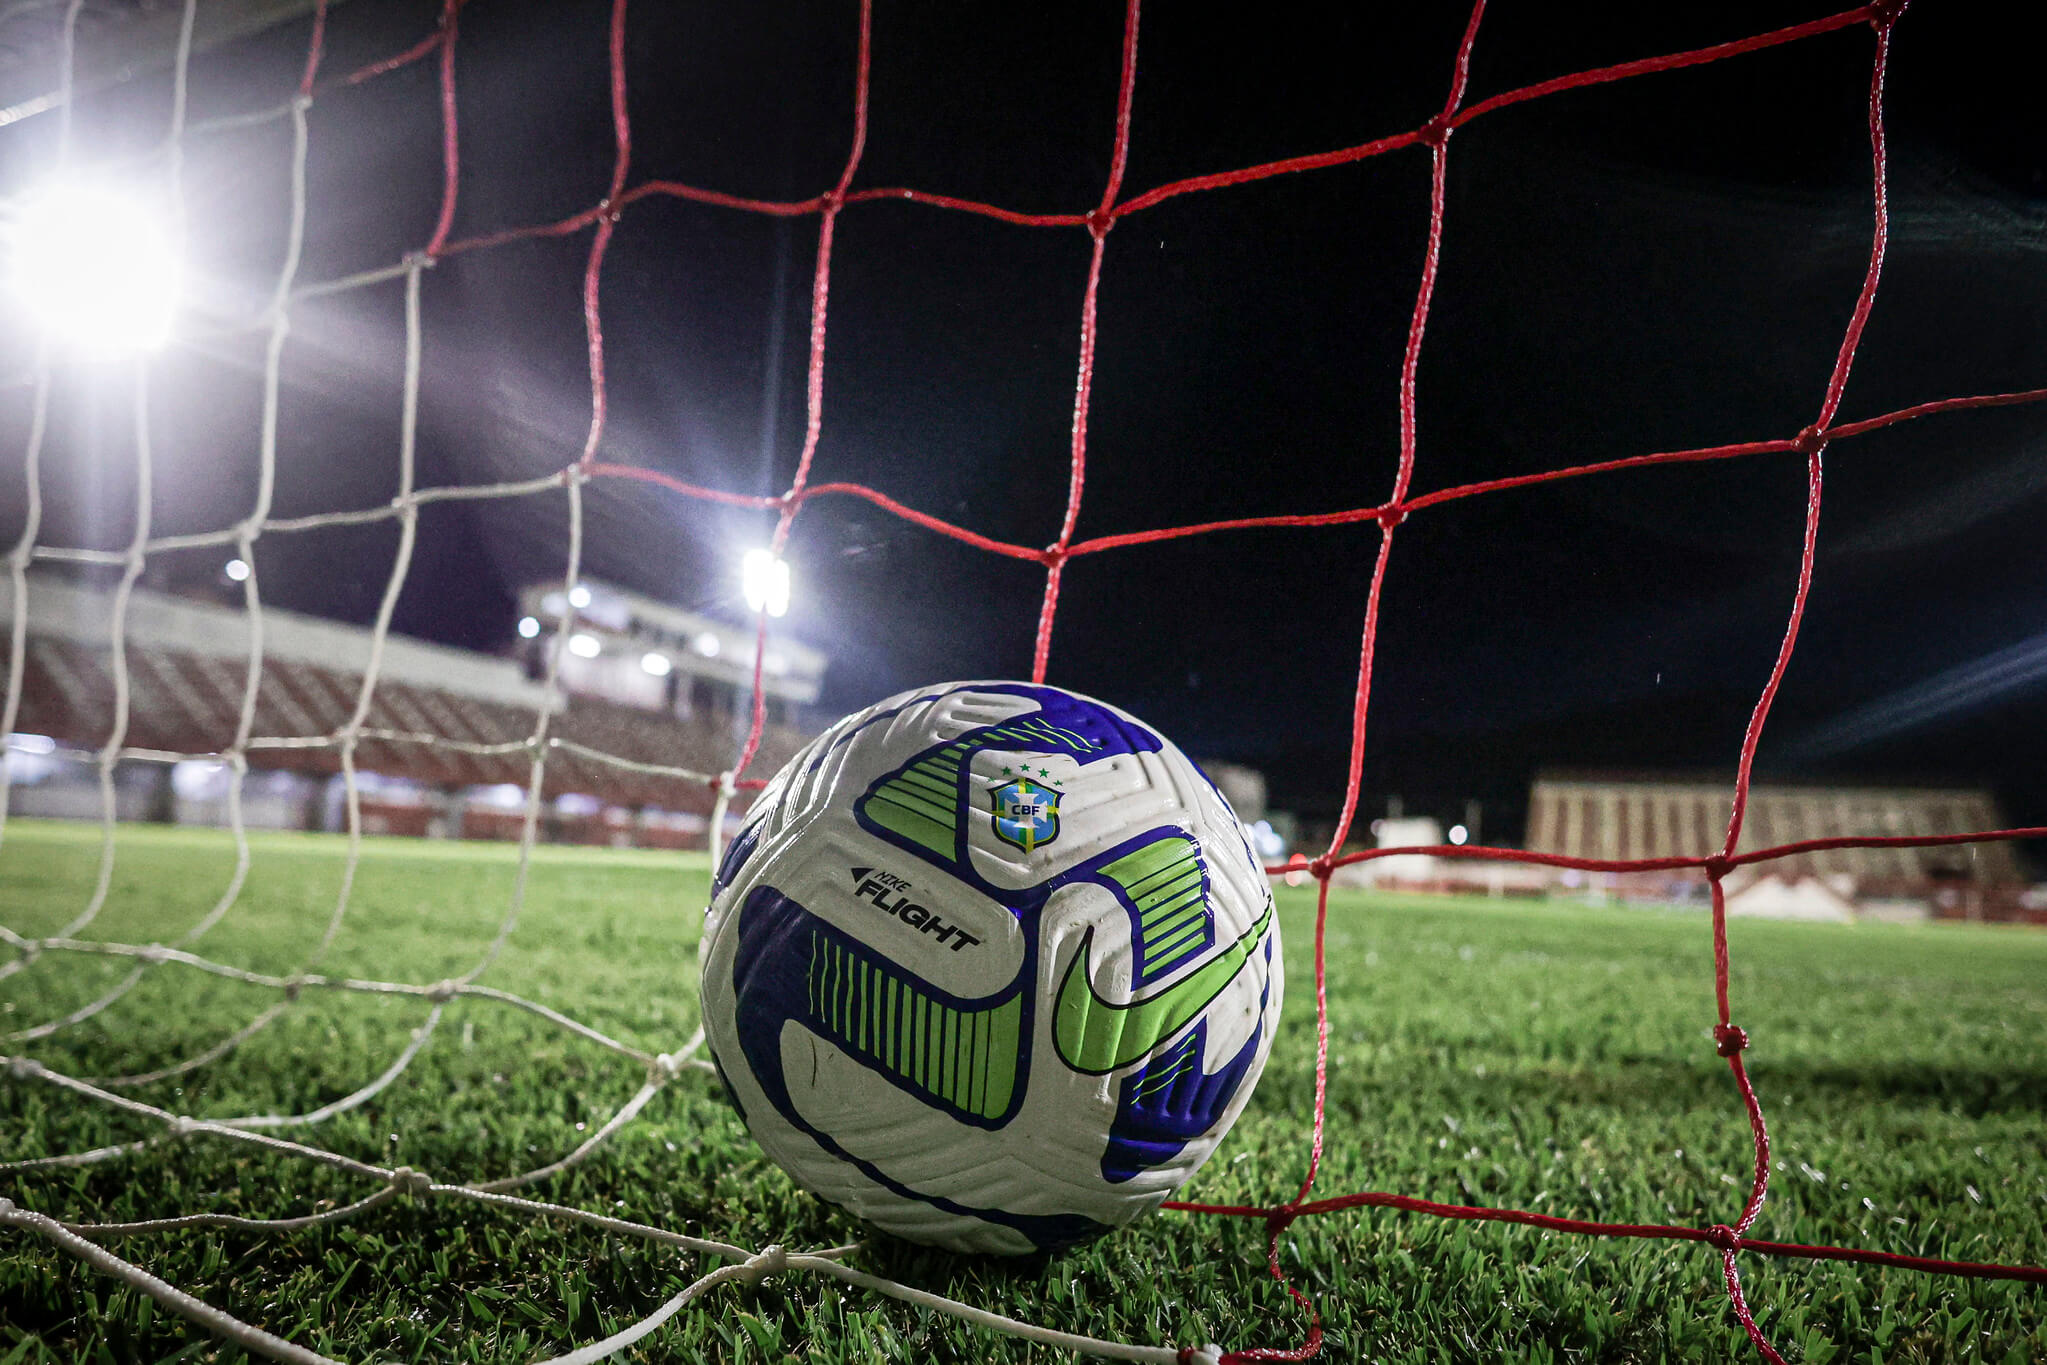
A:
<point x="1097" y="1036"/>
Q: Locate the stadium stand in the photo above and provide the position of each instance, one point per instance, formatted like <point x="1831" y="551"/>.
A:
<point x="1648" y="816"/>
<point x="186" y="660"/>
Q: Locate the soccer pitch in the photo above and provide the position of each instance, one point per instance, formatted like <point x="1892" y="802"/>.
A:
<point x="1555" y="1058"/>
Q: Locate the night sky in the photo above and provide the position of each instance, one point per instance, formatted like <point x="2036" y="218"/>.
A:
<point x="1660" y="263"/>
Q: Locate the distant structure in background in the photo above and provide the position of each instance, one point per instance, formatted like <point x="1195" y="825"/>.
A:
<point x="1642" y="816"/>
<point x="1419" y="870"/>
<point x="442" y="748"/>
<point x="639" y="652"/>
<point x="1273" y="833"/>
<point x="1434" y="872"/>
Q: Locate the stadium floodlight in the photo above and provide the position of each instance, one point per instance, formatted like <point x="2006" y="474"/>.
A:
<point x="529" y="626"/>
<point x="236" y="569"/>
<point x="95" y="266"/>
<point x="707" y="644"/>
<point x="764" y="578"/>
<point x="579" y="596"/>
<point x="584" y="646"/>
<point x="656" y="664"/>
<point x="1458" y="834"/>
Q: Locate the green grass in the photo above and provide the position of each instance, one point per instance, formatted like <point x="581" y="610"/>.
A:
<point x="1547" y="1057"/>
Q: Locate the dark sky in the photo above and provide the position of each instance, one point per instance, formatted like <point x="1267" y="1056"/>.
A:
<point x="1664" y="262"/>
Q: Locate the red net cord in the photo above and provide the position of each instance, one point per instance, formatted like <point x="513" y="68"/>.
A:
<point x="1728" y="1240"/>
<point x="316" y="46"/>
<point x="1098" y="224"/>
<point x="607" y="224"/>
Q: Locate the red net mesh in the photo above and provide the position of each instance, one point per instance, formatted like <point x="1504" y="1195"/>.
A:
<point x="1728" y="1240"/>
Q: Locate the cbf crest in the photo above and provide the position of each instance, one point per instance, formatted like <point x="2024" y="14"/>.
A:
<point x="1026" y="813"/>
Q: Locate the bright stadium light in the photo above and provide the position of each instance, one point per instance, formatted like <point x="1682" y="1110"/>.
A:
<point x="529" y="626"/>
<point x="656" y="664"/>
<point x="94" y="266"/>
<point x="1458" y="834"/>
<point x="584" y="646"/>
<point x="764" y="578"/>
<point x="706" y="644"/>
<point x="237" y="569"/>
<point x="579" y="596"/>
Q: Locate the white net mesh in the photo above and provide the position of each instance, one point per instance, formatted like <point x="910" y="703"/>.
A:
<point x="384" y="1183"/>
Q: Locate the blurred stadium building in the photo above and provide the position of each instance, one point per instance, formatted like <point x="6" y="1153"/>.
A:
<point x="1637" y="816"/>
<point x="116" y="39"/>
<point x="643" y="689"/>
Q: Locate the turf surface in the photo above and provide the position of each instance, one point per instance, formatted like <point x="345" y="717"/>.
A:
<point x="1543" y="1056"/>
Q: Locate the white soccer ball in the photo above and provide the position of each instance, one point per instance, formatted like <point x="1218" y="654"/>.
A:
<point x="992" y="966"/>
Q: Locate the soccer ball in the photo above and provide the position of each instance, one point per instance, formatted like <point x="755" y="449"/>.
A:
<point x="992" y="966"/>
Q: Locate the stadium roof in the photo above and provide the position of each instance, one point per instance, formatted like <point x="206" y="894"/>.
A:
<point x="1723" y="780"/>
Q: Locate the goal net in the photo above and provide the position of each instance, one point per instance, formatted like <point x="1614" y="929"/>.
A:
<point x="253" y="685"/>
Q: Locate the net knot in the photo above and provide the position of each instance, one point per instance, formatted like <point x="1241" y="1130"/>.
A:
<point x="1279" y="1219"/>
<point x="31" y="949"/>
<point x="1435" y="132"/>
<point x="154" y="954"/>
<point x="1099" y="222"/>
<point x="1210" y="1354"/>
<point x="407" y="1180"/>
<point x="1724" y="1237"/>
<point x="1321" y="868"/>
<point x="772" y="1259"/>
<point x="21" y="1068"/>
<point x="665" y="1067"/>
<point x="293" y="986"/>
<point x="1808" y="440"/>
<point x="180" y="1125"/>
<point x="1729" y="1039"/>
<point x="1390" y="517"/>
<point x="441" y="992"/>
<point x="1884" y="13"/>
<point x="1718" y="866"/>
